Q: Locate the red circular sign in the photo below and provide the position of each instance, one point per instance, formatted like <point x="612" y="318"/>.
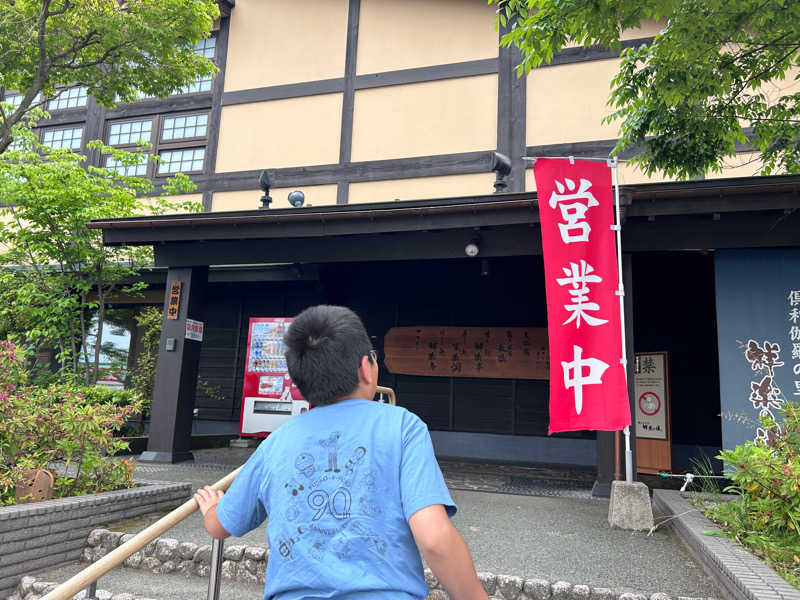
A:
<point x="649" y="403"/>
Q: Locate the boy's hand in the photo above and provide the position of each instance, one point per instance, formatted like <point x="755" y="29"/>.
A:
<point x="207" y="497"/>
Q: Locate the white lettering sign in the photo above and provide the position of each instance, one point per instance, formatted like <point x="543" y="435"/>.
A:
<point x="573" y="211"/>
<point x="574" y="376"/>
<point x="194" y="330"/>
<point x="579" y="276"/>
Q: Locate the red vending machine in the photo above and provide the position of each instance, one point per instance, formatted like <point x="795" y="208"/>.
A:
<point x="269" y="398"/>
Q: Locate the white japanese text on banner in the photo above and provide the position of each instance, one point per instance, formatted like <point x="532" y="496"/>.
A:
<point x="587" y="380"/>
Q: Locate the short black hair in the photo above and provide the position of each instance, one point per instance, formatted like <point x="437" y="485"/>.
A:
<point x="324" y="348"/>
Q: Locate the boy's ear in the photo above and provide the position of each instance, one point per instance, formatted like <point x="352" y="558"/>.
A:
<point x="365" y="371"/>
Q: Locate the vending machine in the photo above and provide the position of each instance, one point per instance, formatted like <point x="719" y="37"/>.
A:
<point x="269" y="398"/>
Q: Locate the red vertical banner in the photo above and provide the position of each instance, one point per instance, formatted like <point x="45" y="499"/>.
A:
<point x="587" y="379"/>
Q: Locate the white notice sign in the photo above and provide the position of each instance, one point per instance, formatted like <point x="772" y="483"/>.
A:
<point x="650" y="384"/>
<point x="194" y="330"/>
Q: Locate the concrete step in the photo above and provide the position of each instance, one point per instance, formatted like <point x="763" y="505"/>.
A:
<point x="142" y="585"/>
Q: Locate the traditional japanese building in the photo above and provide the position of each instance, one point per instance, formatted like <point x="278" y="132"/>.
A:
<point x="385" y="115"/>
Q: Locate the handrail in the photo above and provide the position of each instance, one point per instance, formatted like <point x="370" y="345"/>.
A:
<point x="76" y="583"/>
<point x="388" y="392"/>
<point x="93" y="572"/>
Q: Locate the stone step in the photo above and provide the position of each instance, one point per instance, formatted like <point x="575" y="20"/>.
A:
<point x="124" y="583"/>
<point x="167" y="569"/>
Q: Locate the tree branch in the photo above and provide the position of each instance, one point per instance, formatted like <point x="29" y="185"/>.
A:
<point x="61" y="11"/>
<point x="109" y="53"/>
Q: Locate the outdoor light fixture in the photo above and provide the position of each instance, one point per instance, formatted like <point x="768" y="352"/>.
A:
<point x="472" y="248"/>
<point x="501" y="165"/>
<point x="264" y="183"/>
<point x="296" y="198"/>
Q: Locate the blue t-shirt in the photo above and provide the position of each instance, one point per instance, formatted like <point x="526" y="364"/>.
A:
<point x="339" y="484"/>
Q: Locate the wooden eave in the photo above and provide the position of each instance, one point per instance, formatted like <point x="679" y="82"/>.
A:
<point x="750" y="194"/>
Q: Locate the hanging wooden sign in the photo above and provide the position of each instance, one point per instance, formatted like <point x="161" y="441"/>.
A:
<point x="493" y="352"/>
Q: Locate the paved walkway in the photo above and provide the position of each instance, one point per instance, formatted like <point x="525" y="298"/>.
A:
<point x="543" y="523"/>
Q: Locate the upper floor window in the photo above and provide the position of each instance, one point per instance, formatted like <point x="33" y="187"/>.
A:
<point x="63" y="138"/>
<point x="208" y="49"/>
<point x="14" y="100"/>
<point x="190" y="126"/>
<point x="183" y="161"/>
<point x="129" y="133"/>
<point x="68" y="98"/>
<point x="137" y="170"/>
<point x="178" y="140"/>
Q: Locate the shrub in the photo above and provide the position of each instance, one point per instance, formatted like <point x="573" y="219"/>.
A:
<point x="61" y="425"/>
<point x="766" y="518"/>
<point x="144" y="373"/>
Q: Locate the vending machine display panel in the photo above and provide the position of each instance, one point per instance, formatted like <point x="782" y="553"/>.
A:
<point x="269" y="397"/>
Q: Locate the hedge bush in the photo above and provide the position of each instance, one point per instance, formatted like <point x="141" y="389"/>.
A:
<point x="766" y="517"/>
<point x="66" y="427"/>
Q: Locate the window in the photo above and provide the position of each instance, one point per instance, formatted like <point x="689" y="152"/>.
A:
<point x="181" y="161"/>
<point x="63" y="138"/>
<point x="137" y="170"/>
<point x="184" y="127"/>
<point x="206" y="48"/>
<point x="127" y="135"/>
<point x="68" y="98"/>
<point x="14" y="146"/>
<point x="178" y="139"/>
<point x="130" y="133"/>
<point x="14" y="100"/>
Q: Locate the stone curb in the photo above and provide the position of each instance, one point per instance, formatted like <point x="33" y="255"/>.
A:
<point x="248" y="564"/>
<point x="739" y="574"/>
<point x="30" y="588"/>
<point x="42" y="535"/>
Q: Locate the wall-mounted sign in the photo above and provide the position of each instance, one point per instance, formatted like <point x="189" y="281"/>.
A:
<point x="493" y="352"/>
<point x="194" y="330"/>
<point x="758" y="332"/>
<point x="650" y="385"/>
<point x="174" y="303"/>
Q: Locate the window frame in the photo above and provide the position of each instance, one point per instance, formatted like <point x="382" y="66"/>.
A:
<point x="213" y="59"/>
<point x="57" y="97"/>
<point x="82" y="126"/>
<point x="157" y="145"/>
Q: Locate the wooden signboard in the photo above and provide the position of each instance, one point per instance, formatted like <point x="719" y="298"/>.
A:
<point x="174" y="306"/>
<point x="651" y="384"/>
<point x="493" y="352"/>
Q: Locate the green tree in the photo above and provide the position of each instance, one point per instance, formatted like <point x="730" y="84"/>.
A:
<point x="58" y="273"/>
<point x="116" y="48"/>
<point x="706" y="82"/>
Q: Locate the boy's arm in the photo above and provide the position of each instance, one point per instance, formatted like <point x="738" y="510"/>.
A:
<point x="446" y="552"/>
<point x="207" y="499"/>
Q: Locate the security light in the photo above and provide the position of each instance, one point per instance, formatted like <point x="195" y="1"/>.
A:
<point x="501" y="165"/>
<point x="296" y="198"/>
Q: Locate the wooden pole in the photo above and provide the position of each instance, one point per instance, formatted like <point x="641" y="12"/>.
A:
<point x="96" y="570"/>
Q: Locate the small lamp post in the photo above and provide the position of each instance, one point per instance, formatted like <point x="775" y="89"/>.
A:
<point x="264" y="184"/>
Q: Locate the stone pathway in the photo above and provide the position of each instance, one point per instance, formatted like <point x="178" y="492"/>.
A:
<point x="531" y="522"/>
<point x="459" y="475"/>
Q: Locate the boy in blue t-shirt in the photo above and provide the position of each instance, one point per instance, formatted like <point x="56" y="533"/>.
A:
<point x="352" y="488"/>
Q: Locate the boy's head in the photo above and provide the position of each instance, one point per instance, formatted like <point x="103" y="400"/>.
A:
<point x="326" y="350"/>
